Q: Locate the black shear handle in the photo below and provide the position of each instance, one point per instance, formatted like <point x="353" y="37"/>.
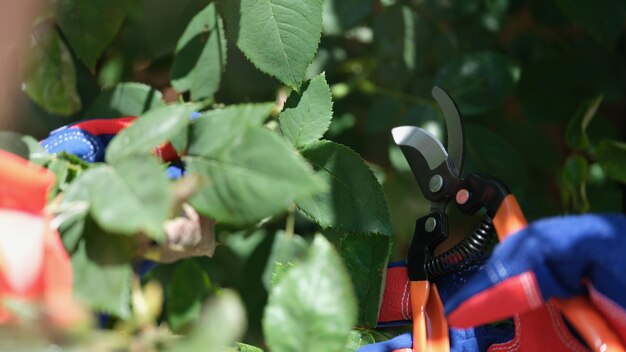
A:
<point x="430" y="231"/>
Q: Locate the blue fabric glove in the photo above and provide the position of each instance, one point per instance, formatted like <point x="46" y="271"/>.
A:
<point x="86" y="139"/>
<point x="89" y="139"/>
<point x="461" y="340"/>
<point x="557" y="257"/>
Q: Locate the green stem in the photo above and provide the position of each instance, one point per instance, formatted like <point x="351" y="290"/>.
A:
<point x="291" y="221"/>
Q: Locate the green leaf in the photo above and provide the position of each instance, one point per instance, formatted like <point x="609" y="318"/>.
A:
<point x="612" y="157"/>
<point x="111" y="71"/>
<point x="280" y="37"/>
<point x="242" y="347"/>
<point x="574" y="177"/>
<point x="102" y="271"/>
<point x="223" y="323"/>
<point x="13" y="142"/>
<point x="149" y="130"/>
<point x="191" y="285"/>
<point x="244" y="243"/>
<point x="313" y="307"/>
<point x="306" y="116"/>
<point x="280" y="269"/>
<point x="200" y="55"/>
<point x="215" y="129"/>
<point x="66" y="167"/>
<point x="75" y="206"/>
<point x="90" y="25"/>
<point x="366" y="258"/>
<point x="488" y="152"/>
<point x="125" y="99"/>
<point x="252" y="173"/>
<point x="576" y="133"/>
<point x="60" y="168"/>
<point x="132" y="196"/>
<point x="358" y="339"/>
<point x="286" y="249"/>
<point x="603" y="19"/>
<point x="353" y="200"/>
<point x="253" y="114"/>
<point x="37" y="154"/>
<point x="479" y="82"/>
<point x="50" y="78"/>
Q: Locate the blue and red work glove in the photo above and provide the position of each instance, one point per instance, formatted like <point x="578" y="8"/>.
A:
<point x="558" y="257"/>
<point x="88" y="140"/>
<point x="188" y="234"/>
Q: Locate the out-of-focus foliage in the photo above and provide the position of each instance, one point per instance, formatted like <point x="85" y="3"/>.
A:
<point x="293" y="139"/>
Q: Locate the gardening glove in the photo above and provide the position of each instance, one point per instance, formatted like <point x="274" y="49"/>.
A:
<point x="559" y="257"/>
<point x="187" y="234"/>
<point x="88" y="139"/>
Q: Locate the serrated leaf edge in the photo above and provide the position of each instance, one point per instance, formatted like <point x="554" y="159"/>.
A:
<point x="370" y="174"/>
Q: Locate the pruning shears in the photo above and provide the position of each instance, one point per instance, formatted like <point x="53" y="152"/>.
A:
<point x="439" y="174"/>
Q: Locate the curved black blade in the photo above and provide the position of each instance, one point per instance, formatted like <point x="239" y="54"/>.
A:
<point x="427" y="158"/>
<point x="454" y="127"/>
<point x="428" y="145"/>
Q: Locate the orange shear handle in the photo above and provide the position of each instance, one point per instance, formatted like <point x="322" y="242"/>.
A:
<point x="580" y="313"/>
<point x="437" y="325"/>
<point x="430" y="328"/>
<point x="420" y="292"/>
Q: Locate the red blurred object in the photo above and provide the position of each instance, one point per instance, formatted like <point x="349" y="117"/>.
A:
<point x="34" y="265"/>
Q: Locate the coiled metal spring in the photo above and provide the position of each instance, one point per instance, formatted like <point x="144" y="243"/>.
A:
<point x="466" y="253"/>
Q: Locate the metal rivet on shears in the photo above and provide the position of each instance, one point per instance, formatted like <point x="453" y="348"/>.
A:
<point x="462" y="196"/>
<point x="430" y="224"/>
<point x="435" y="184"/>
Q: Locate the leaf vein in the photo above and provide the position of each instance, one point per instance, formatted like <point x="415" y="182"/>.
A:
<point x="282" y="41"/>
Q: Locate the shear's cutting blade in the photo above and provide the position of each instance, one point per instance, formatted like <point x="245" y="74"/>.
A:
<point x="422" y="141"/>
<point x="456" y="137"/>
<point x="429" y="162"/>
